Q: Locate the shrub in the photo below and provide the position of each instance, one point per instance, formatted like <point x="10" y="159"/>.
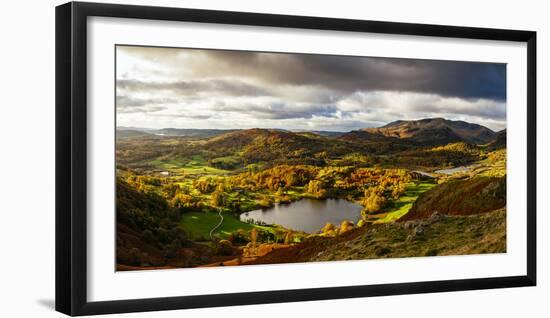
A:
<point x="374" y="201"/>
<point x="288" y="238"/>
<point x="328" y="227"/>
<point x="345" y="226"/>
<point x="148" y="237"/>
<point x="135" y="256"/>
<point x="225" y="248"/>
<point x="239" y="236"/>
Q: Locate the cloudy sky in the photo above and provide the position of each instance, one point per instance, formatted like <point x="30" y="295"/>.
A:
<point x="193" y="88"/>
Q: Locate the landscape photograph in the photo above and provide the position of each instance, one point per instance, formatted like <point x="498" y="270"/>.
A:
<point x="233" y="158"/>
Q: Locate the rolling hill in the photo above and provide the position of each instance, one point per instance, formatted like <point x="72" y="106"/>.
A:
<point x="484" y="194"/>
<point x="499" y="140"/>
<point x="131" y="133"/>
<point x="403" y="143"/>
<point x="433" y="131"/>
<point x="197" y="133"/>
<point x="271" y="144"/>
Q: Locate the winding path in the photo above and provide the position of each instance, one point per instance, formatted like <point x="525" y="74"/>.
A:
<point x="217" y="226"/>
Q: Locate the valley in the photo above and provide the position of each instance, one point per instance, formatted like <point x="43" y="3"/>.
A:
<point x="212" y="197"/>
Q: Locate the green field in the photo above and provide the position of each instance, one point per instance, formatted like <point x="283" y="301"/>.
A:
<point x="167" y="164"/>
<point x="402" y="205"/>
<point x="193" y="166"/>
<point x="199" y="224"/>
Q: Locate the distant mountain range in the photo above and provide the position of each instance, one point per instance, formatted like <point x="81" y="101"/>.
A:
<point x="429" y="131"/>
<point x="124" y="132"/>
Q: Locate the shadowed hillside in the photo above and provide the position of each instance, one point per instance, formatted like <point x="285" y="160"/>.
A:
<point x="460" y="197"/>
<point x="147" y="230"/>
<point x="434" y="131"/>
<point x="498" y="141"/>
<point x="271" y="145"/>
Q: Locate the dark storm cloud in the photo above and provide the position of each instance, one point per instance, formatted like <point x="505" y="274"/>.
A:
<point x="348" y="74"/>
<point x="231" y="88"/>
<point x="161" y="87"/>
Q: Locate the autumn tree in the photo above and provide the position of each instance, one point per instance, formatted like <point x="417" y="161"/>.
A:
<point x="182" y="201"/>
<point x="253" y="236"/>
<point x="345" y="226"/>
<point x="217" y="199"/>
<point x="397" y="190"/>
<point x="374" y="200"/>
<point x="315" y="188"/>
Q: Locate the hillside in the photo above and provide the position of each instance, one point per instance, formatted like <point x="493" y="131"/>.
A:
<point x="196" y="133"/>
<point x="256" y="145"/>
<point x="484" y="194"/>
<point x="434" y="131"/>
<point x="498" y="141"/>
<point x="236" y="140"/>
<point x="437" y="235"/>
<point x="367" y="136"/>
<point x="147" y="230"/>
<point x="130" y="133"/>
<point x="196" y="150"/>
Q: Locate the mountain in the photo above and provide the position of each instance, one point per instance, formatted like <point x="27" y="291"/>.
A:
<point x="364" y="135"/>
<point x="239" y="138"/>
<point x="198" y="133"/>
<point x="324" y="133"/>
<point x="432" y="131"/>
<point x="131" y="133"/>
<point x="499" y="140"/>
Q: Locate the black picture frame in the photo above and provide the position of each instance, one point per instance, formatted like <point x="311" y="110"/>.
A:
<point x="71" y="157"/>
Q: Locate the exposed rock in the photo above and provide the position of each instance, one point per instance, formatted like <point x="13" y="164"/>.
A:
<point x="436" y="216"/>
<point x="419" y="230"/>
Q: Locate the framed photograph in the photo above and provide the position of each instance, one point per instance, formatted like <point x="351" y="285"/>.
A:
<point x="208" y="158"/>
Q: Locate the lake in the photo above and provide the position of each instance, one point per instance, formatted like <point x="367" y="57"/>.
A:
<point x="308" y="215"/>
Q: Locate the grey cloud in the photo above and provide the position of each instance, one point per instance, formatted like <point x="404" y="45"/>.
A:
<point x="225" y="87"/>
<point x="278" y="110"/>
<point x="481" y="108"/>
<point x="140" y="109"/>
<point x="348" y="74"/>
<point x="186" y="116"/>
<point x="342" y="91"/>
<point x="337" y="72"/>
<point x="124" y="101"/>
